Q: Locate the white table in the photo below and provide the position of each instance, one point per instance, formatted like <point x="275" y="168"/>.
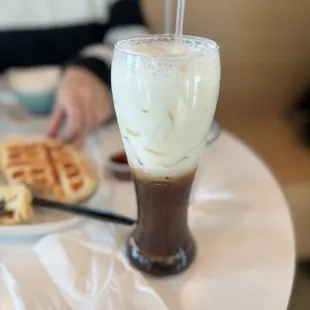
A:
<point x="241" y="223"/>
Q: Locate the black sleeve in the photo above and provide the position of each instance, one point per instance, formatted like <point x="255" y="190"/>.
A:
<point x="126" y="20"/>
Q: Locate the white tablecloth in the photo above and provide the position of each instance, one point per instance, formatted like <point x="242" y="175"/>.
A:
<point x="240" y="221"/>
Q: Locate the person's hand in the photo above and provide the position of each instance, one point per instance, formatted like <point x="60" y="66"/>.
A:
<point x="83" y="101"/>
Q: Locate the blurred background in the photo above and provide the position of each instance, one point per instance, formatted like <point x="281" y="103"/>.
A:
<point x="265" y="54"/>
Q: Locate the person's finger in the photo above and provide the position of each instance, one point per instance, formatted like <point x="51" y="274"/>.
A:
<point x="80" y="137"/>
<point x="95" y="116"/>
<point x="74" y="115"/>
<point x="80" y="140"/>
<point x="56" y="121"/>
<point x="102" y="111"/>
<point x="88" y="110"/>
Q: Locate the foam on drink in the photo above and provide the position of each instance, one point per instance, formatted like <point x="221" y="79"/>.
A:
<point x="165" y="102"/>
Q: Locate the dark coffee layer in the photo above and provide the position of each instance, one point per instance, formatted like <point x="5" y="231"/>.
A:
<point x="162" y="214"/>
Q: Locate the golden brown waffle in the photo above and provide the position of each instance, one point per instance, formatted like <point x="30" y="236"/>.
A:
<point x="49" y="168"/>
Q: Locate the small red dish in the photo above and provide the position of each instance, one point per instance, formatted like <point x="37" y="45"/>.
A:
<point x="119" y="167"/>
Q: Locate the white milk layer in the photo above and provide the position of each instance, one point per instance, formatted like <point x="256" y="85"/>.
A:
<point x="165" y="105"/>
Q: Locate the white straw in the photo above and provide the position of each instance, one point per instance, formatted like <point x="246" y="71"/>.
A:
<point x="168" y="16"/>
<point x="180" y="21"/>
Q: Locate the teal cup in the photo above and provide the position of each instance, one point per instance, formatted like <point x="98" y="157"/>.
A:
<point x="35" y="88"/>
<point x="39" y="104"/>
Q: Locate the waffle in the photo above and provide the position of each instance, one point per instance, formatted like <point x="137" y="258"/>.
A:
<point x="49" y="168"/>
<point x="18" y="200"/>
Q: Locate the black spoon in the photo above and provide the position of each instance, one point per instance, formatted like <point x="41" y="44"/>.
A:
<point x="80" y="210"/>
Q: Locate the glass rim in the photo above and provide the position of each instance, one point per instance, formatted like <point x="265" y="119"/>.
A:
<point x="118" y="46"/>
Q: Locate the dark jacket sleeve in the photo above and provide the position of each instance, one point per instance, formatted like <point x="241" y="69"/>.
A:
<point x="126" y="20"/>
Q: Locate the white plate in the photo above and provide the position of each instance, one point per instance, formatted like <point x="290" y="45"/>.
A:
<point x="46" y="221"/>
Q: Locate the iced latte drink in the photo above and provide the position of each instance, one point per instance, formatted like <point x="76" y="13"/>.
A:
<point x="165" y="95"/>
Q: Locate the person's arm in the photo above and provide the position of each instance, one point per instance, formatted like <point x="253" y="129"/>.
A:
<point x="84" y="97"/>
<point x="126" y="20"/>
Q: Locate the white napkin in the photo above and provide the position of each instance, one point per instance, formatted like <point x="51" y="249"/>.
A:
<point x="68" y="271"/>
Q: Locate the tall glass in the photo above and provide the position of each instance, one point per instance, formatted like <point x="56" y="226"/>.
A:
<point x="165" y="95"/>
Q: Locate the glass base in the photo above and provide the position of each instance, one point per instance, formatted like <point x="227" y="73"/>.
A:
<point x="161" y="266"/>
